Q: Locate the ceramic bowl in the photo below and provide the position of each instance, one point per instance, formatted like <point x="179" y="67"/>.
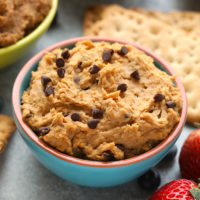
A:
<point x="85" y="172"/>
<point x="12" y="53"/>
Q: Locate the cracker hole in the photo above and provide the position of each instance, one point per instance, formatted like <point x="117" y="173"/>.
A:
<point x="176" y="20"/>
<point x="179" y="61"/>
<point x="130" y="16"/>
<point x="145" y="87"/>
<point x="191" y="17"/>
<point x="192" y="46"/>
<point x="139" y="21"/>
<point x="188" y="29"/>
<point x="191" y="54"/>
<point x="193" y="106"/>
<point x="188" y="70"/>
<point x="121" y="12"/>
<point x="154" y="30"/>
<point x="117" y="27"/>
<point x="187" y="90"/>
<point x="95" y="32"/>
<point x="170" y="59"/>
<point x="100" y="28"/>
<point x="134" y="29"/>
<point x="174" y="44"/>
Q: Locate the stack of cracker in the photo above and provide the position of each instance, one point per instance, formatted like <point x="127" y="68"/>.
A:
<point x="174" y="36"/>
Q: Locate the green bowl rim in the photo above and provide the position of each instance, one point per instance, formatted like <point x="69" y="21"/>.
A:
<point x="35" y="33"/>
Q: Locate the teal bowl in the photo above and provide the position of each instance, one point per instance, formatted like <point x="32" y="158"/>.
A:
<point x="12" y="53"/>
<point x="86" y="172"/>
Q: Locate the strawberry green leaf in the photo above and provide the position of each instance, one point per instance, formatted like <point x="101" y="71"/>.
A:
<point x="195" y="192"/>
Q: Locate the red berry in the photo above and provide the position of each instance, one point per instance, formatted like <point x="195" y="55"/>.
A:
<point x="175" y="190"/>
<point x="189" y="159"/>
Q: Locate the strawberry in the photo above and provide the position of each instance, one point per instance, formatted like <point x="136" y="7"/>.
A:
<point x="189" y="159"/>
<point x="181" y="189"/>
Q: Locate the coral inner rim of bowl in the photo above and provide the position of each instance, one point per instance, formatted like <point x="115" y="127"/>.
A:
<point x="39" y="142"/>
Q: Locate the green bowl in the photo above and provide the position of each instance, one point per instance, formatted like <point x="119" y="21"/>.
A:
<point x="10" y="54"/>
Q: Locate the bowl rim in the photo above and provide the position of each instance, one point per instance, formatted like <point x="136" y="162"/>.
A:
<point x="35" y="33"/>
<point x="17" y="109"/>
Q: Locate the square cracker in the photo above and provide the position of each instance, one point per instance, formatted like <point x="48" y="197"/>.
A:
<point x="179" y="48"/>
<point x="185" y="20"/>
<point x="7" y="127"/>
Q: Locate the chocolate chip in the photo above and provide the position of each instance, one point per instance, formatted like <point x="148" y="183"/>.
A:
<point x="120" y="146"/>
<point x="159" y="97"/>
<point x="77" y="79"/>
<point x="65" y="114"/>
<point x="109" y="155"/>
<point x="48" y="91"/>
<point x="29" y="115"/>
<point x="65" y="54"/>
<point x="97" y="113"/>
<point x="170" y="104"/>
<point x="45" y="80"/>
<point x="135" y="75"/>
<point x="111" y="51"/>
<point x="107" y="54"/>
<point x="60" y="62"/>
<point x="123" y="51"/>
<point x="79" y="65"/>
<point x="92" y="123"/>
<point x="43" y="130"/>
<point x="81" y="152"/>
<point x="61" y="72"/>
<point x="94" y="69"/>
<point x="95" y="81"/>
<point x="75" y="117"/>
<point x="126" y="116"/>
<point x="159" y="115"/>
<point x="122" y="87"/>
<point x="87" y="88"/>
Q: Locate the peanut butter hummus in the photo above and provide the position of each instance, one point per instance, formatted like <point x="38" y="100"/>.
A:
<point x="20" y="17"/>
<point x="101" y="101"/>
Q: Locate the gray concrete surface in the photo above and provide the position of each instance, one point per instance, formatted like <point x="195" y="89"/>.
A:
<point x="22" y="177"/>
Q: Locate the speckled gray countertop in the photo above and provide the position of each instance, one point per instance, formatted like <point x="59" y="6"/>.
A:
<point x="22" y="177"/>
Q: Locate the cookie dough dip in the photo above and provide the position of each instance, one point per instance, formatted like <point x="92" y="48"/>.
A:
<point x="19" y="17"/>
<point x="101" y="101"/>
